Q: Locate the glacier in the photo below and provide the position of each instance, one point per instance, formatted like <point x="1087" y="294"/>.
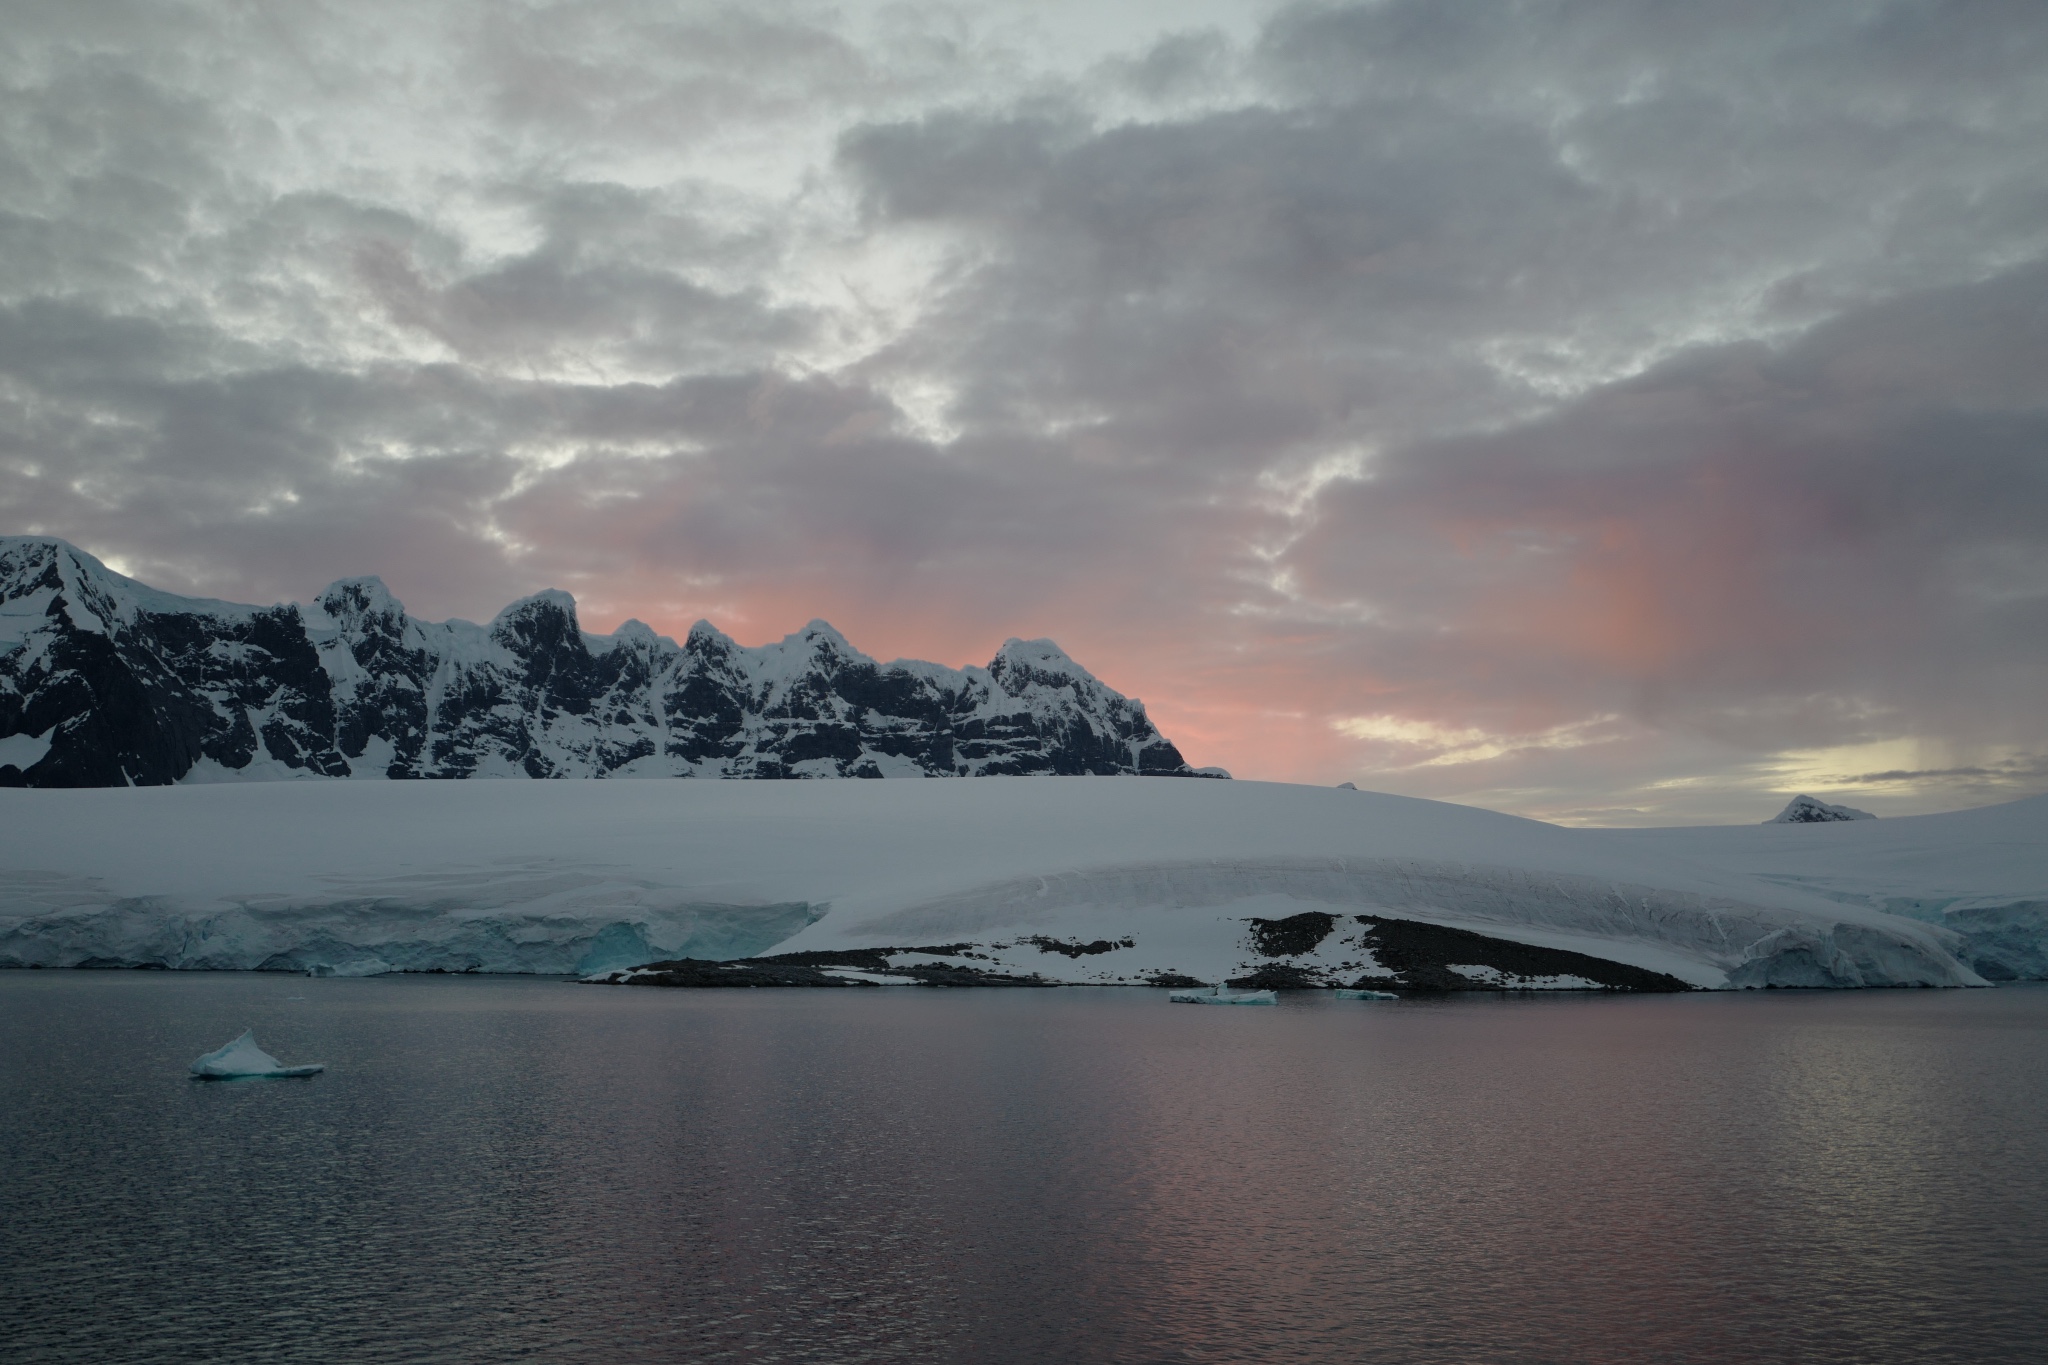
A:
<point x="1980" y="876"/>
<point x="1112" y="880"/>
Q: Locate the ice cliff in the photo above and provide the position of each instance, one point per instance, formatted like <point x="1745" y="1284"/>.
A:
<point x="106" y="682"/>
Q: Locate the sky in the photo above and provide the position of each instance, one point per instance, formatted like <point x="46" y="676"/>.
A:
<point x="1610" y="411"/>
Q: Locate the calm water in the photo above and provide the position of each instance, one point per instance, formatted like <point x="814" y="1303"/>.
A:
<point x="498" y="1169"/>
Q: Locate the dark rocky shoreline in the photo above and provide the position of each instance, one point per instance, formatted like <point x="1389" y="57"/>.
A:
<point x="810" y="969"/>
<point x="1413" y="957"/>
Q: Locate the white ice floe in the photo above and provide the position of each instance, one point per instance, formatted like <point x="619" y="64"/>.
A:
<point x="1217" y="995"/>
<point x="1367" y="995"/>
<point x="242" y="1060"/>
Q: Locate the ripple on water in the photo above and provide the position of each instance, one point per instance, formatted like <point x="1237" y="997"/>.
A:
<point x="497" y="1169"/>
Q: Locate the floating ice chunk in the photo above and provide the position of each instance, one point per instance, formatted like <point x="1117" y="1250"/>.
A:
<point x="1216" y="995"/>
<point x="242" y="1059"/>
<point x="1367" y="995"/>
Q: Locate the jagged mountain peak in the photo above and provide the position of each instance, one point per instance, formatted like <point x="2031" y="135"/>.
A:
<point x="350" y="603"/>
<point x="1040" y="651"/>
<point x="35" y="567"/>
<point x="1023" y="667"/>
<point x="709" y="634"/>
<point x="112" y="682"/>
<point x="820" y="643"/>
<point x="365" y="592"/>
<point x="34" y="554"/>
<point x="638" y="632"/>
<point x="24" y="559"/>
<point x="96" y="596"/>
<point x="819" y="629"/>
<point x="548" y="601"/>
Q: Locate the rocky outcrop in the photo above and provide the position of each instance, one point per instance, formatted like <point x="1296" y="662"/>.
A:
<point x="1393" y="954"/>
<point x="107" y="682"/>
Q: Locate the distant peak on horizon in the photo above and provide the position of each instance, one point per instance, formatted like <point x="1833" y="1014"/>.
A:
<point x="1808" y="810"/>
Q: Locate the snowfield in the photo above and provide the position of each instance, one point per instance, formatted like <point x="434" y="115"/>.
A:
<point x="1110" y="879"/>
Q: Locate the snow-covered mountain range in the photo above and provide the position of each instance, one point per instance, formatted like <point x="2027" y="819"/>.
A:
<point x="107" y="682"/>
<point x="1029" y="872"/>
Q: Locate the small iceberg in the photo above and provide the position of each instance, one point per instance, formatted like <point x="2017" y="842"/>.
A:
<point x="243" y="1060"/>
<point x="1367" y="995"/>
<point x="1217" y="995"/>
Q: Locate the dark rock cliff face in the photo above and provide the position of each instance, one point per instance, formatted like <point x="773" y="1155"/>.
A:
<point x="106" y="682"/>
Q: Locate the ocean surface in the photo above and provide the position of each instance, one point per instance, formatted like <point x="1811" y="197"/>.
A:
<point x="502" y="1169"/>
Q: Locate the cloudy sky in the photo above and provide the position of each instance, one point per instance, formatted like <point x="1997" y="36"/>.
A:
<point x="1612" y="411"/>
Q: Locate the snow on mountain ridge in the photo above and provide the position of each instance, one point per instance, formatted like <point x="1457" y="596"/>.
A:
<point x="138" y="686"/>
<point x="27" y="562"/>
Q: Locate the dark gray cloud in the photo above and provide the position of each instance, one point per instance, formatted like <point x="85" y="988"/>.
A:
<point x="1610" y="411"/>
<point x="1745" y="537"/>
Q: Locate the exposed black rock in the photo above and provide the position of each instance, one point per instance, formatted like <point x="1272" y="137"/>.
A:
<point x="123" y="684"/>
<point x="1277" y="977"/>
<point x="1413" y="957"/>
<point x="1078" y="950"/>
<point x="1293" y="936"/>
<point x="697" y="973"/>
<point x="1419" y="957"/>
<point x="811" y="969"/>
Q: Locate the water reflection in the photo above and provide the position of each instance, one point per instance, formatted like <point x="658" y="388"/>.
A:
<point x="497" y="1168"/>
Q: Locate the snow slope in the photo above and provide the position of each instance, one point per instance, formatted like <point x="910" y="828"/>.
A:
<point x="588" y="876"/>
